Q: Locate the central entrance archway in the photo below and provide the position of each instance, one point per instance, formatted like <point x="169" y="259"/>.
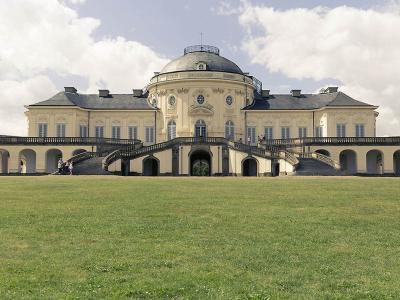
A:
<point x="249" y="167"/>
<point x="200" y="163"/>
<point x="150" y="166"/>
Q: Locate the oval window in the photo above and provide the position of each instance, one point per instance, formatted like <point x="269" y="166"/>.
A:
<point x="229" y="100"/>
<point x="200" y="99"/>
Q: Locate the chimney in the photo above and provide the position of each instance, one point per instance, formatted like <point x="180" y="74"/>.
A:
<point x="296" y="93"/>
<point x="265" y="93"/>
<point x="332" y="89"/>
<point x="70" y="89"/>
<point x="137" y="93"/>
<point x="104" y="93"/>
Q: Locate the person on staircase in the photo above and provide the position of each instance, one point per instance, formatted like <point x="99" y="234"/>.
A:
<point x="60" y="166"/>
<point x="70" y="167"/>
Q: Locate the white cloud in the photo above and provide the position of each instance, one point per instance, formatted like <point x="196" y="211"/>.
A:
<point x="226" y="8"/>
<point x="40" y="37"/>
<point x="13" y="94"/>
<point x="77" y="1"/>
<point x="360" y="48"/>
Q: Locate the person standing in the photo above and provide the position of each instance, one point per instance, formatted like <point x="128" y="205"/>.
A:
<point x="248" y="140"/>
<point x="70" y="167"/>
<point x="60" y="165"/>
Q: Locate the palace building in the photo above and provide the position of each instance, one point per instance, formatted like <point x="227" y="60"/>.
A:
<point x="202" y="115"/>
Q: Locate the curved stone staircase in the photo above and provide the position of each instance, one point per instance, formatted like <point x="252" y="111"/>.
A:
<point x="306" y="164"/>
<point x="314" y="167"/>
<point x="90" y="166"/>
<point x="129" y="153"/>
<point x="316" y="164"/>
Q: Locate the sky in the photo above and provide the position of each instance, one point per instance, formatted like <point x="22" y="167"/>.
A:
<point x="118" y="44"/>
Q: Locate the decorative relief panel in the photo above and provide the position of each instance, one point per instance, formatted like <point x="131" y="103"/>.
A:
<point x="205" y="109"/>
<point x="218" y="90"/>
<point x="239" y="92"/>
<point x="182" y="91"/>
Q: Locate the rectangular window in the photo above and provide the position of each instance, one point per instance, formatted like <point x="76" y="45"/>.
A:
<point x="269" y="133"/>
<point x="251" y="135"/>
<point x="42" y="128"/>
<point x="360" y="130"/>
<point x="99" y="132"/>
<point x="149" y="135"/>
<point x="83" y="131"/>
<point x="341" y="130"/>
<point x="132" y="132"/>
<point x="285" y="132"/>
<point x="60" y="130"/>
<point x="319" y="131"/>
<point x="116" y="132"/>
<point x="302" y="132"/>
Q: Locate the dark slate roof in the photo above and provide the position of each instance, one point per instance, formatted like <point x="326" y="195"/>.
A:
<point x="93" y="101"/>
<point x="304" y="102"/>
<point x="189" y="61"/>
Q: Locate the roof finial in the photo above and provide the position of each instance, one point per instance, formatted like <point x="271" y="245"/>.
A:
<point x="201" y="40"/>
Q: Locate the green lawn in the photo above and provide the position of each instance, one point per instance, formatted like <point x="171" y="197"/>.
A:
<point x="260" y="238"/>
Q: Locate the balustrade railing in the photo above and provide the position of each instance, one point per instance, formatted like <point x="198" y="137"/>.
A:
<point x="18" y="140"/>
<point x="296" y="142"/>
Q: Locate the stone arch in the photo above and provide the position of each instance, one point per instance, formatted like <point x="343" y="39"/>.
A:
<point x="323" y="152"/>
<point x="4" y="161"/>
<point x="27" y="161"/>
<point x="52" y="156"/>
<point x="348" y="161"/>
<point x="200" y="162"/>
<point x="249" y="166"/>
<point x="396" y="163"/>
<point x="78" y="151"/>
<point x="151" y="166"/>
<point x="374" y="160"/>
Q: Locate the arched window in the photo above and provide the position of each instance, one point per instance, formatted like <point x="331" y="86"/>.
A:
<point x="200" y="129"/>
<point x="229" y="130"/>
<point x="171" y="130"/>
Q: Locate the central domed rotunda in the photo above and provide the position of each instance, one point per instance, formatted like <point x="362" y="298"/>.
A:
<point x="201" y="58"/>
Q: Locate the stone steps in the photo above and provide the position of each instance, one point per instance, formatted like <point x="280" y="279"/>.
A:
<point x="92" y="166"/>
<point x="314" y="167"/>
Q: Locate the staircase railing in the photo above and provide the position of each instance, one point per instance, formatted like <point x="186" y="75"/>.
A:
<point x="323" y="158"/>
<point x="81" y="157"/>
<point x="109" y="159"/>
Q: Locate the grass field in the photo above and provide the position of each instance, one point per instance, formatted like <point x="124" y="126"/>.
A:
<point x="113" y="237"/>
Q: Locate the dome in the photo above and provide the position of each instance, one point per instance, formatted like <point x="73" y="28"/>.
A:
<point x="195" y="55"/>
